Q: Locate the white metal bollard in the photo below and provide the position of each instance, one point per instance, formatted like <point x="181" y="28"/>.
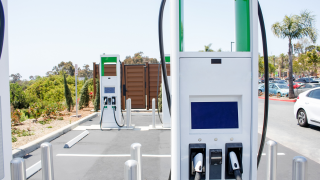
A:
<point x="18" y="169"/>
<point x="153" y="113"/>
<point x="128" y="113"/>
<point x="272" y="149"/>
<point x="299" y="168"/>
<point x="135" y="151"/>
<point x="47" y="161"/>
<point x="131" y="170"/>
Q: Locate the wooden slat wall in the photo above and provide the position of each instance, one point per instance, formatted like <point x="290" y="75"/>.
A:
<point x="135" y="85"/>
<point x="153" y="80"/>
<point x="110" y="70"/>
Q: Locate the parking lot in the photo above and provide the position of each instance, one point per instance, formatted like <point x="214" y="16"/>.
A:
<point x="101" y="155"/>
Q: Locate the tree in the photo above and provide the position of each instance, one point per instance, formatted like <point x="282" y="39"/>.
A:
<point x="313" y="59"/>
<point x="84" y="96"/>
<point x="15" y="77"/>
<point x="97" y="99"/>
<point x="67" y="94"/>
<point x="295" y="27"/>
<point x="207" y="48"/>
<point x="86" y="71"/>
<point x="139" y="59"/>
<point x="32" y="78"/>
<point x="66" y="67"/>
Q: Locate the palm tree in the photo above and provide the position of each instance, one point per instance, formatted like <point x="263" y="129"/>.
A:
<point x="295" y="27"/>
<point x="207" y="48"/>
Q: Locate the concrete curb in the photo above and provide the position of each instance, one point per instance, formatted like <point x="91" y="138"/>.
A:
<point x="26" y="149"/>
<point x="285" y="100"/>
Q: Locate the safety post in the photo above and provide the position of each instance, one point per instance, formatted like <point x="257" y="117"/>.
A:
<point x="47" y="161"/>
<point x="128" y="112"/>
<point x="18" y="169"/>
<point x="135" y="151"/>
<point x="299" y="168"/>
<point x="131" y="170"/>
<point x="153" y="113"/>
<point x="272" y="148"/>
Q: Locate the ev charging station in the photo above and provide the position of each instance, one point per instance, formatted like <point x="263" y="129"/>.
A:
<point x="110" y="93"/>
<point x="214" y="130"/>
<point x="166" y="119"/>
<point x="5" y="126"/>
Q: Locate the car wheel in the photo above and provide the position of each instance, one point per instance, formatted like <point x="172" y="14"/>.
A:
<point x="302" y="118"/>
<point x="278" y="95"/>
<point x="259" y="93"/>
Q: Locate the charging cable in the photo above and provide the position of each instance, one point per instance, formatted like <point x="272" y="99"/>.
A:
<point x="234" y="163"/>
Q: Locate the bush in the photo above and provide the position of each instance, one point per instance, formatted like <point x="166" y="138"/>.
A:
<point x="13" y="139"/>
<point x="68" y="96"/>
<point x="49" y="127"/>
<point x="15" y="117"/>
<point x="60" y="118"/>
<point x="97" y="99"/>
<point x="84" y="96"/>
<point x="35" y="110"/>
<point x="17" y="96"/>
<point x="23" y="117"/>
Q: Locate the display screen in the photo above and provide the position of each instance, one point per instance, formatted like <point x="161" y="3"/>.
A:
<point x="109" y="90"/>
<point x="214" y="115"/>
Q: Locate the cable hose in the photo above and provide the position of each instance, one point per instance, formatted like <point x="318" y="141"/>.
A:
<point x="158" y="95"/>
<point x="2" y="28"/>
<point x="121" y="89"/>
<point x="115" y="119"/>
<point x="266" y="82"/>
<point x="101" y="118"/>
<point x="163" y="63"/>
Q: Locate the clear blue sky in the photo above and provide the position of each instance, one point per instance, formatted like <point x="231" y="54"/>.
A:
<point x="44" y="33"/>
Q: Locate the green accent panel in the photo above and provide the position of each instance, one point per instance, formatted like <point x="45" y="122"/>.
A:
<point x="242" y="13"/>
<point x="106" y="107"/>
<point x="167" y="58"/>
<point x="107" y="60"/>
<point x="181" y="21"/>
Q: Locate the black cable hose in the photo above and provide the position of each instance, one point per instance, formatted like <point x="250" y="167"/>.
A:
<point x="115" y="119"/>
<point x="2" y="28"/>
<point x="163" y="62"/>
<point x="266" y="84"/>
<point x="158" y="95"/>
<point x="121" y="89"/>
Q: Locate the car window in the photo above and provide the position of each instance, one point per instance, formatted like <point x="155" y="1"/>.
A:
<point x="308" y="86"/>
<point x="282" y="86"/>
<point x="316" y="85"/>
<point x="302" y="86"/>
<point x="310" y="94"/>
<point x="315" y="94"/>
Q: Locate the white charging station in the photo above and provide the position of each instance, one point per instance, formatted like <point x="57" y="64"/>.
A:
<point x="166" y="119"/>
<point x="5" y="124"/>
<point x="215" y="116"/>
<point x="110" y="92"/>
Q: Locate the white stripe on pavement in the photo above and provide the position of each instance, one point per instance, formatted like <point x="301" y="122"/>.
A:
<point x="279" y="154"/>
<point x="110" y="155"/>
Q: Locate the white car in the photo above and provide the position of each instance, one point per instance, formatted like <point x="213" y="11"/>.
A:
<point x="307" y="108"/>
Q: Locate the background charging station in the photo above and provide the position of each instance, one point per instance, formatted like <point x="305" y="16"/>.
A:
<point x="5" y="123"/>
<point x="210" y="120"/>
<point x="166" y="119"/>
<point x="110" y="92"/>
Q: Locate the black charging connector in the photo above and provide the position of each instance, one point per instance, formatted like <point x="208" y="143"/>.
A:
<point x="237" y="149"/>
<point x="194" y="149"/>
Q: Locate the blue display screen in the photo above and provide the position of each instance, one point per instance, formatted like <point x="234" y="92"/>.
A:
<point x="109" y="90"/>
<point x="214" y="115"/>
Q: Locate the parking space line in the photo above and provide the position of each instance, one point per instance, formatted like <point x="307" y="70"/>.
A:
<point x="109" y="155"/>
<point x="33" y="169"/>
<point x="279" y="154"/>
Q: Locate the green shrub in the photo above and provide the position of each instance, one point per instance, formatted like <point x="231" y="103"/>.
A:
<point x="49" y="127"/>
<point x="17" y="96"/>
<point x="23" y="117"/>
<point x="68" y="96"/>
<point x="60" y="118"/>
<point x="35" y="110"/>
<point x="97" y="98"/>
<point x="16" y="117"/>
<point x="13" y="139"/>
<point x="84" y="96"/>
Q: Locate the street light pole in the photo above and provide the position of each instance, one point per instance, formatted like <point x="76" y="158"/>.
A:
<point x="231" y="46"/>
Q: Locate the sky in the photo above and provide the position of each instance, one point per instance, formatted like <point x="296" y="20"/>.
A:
<point x="44" y="33"/>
